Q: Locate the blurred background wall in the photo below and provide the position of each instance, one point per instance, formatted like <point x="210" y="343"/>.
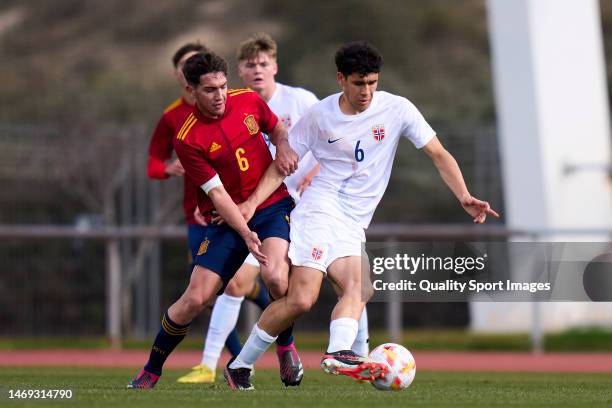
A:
<point x="83" y="84"/>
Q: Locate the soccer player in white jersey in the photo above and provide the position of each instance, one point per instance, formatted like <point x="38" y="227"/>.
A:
<point x="353" y="135"/>
<point x="257" y="69"/>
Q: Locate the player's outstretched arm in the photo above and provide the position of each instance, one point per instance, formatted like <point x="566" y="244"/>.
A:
<point x="226" y="207"/>
<point x="451" y="174"/>
<point x="268" y="184"/>
<point x="286" y="159"/>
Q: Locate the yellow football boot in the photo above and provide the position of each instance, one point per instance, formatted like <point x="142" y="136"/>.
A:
<point x="199" y="374"/>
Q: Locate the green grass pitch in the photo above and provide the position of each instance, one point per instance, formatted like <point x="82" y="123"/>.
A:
<point x="106" y="388"/>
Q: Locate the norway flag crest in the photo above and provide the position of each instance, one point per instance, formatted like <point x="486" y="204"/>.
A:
<point x="316" y="253"/>
<point x="378" y="131"/>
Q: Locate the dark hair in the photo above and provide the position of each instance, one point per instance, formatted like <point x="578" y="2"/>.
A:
<point x="201" y="64"/>
<point x="358" y="57"/>
<point x="187" y="48"/>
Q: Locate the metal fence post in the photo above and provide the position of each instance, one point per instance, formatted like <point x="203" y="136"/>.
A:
<point x="113" y="293"/>
<point x="394" y="304"/>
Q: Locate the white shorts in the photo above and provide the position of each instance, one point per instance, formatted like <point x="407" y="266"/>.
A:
<point x="250" y="260"/>
<point x="318" y="239"/>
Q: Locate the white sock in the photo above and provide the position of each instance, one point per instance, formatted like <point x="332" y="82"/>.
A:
<point x="257" y="343"/>
<point x="342" y="333"/>
<point x="222" y="321"/>
<point x="360" y="345"/>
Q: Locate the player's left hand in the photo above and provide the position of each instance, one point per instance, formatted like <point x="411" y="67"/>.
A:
<point x="175" y="169"/>
<point x="478" y="209"/>
<point x="254" y="244"/>
<point x="247" y="210"/>
<point x="199" y="218"/>
<point x="307" y="180"/>
<point x="303" y="185"/>
<point x="286" y="158"/>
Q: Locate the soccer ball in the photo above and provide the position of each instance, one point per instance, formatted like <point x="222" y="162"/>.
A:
<point x="402" y="367"/>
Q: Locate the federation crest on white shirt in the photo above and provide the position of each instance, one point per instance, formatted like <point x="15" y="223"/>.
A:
<point x="378" y="131"/>
<point x="286" y="119"/>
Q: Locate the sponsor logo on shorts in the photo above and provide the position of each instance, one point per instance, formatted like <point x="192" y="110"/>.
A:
<point x="287" y="219"/>
<point x="378" y="131"/>
<point x="251" y="124"/>
<point x="203" y="247"/>
<point x="317" y="253"/>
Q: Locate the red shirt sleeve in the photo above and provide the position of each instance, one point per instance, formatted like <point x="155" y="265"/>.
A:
<point x="197" y="168"/>
<point x="156" y="169"/>
<point x="160" y="149"/>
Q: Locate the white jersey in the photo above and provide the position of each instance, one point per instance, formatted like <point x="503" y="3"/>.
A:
<point x="356" y="153"/>
<point x="290" y="104"/>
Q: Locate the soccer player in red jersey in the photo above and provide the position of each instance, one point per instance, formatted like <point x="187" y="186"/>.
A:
<point x="257" y="68"/>
<point x="223" y="151"/>
<point x="161" y="145"/>
<point x="160" y="167"/>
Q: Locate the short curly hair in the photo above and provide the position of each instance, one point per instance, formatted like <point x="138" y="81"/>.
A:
<point x="358" y="57"/>
<point x="202" y="64"/>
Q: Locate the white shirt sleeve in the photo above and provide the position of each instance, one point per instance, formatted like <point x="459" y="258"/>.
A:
<point x="303" y="134"/>
<point x="415" y="128"/>
<point x="307" y="99"/>
<point x="212" y="183"/>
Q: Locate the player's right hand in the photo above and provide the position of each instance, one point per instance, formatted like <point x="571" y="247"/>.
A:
<point x="175" y="168"/>
<point x="254" y="244"/>
<point x="286" y="159"/>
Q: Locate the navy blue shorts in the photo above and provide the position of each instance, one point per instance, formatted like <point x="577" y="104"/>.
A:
<point x="223" y="251"/>
<point x="195" y="236"/>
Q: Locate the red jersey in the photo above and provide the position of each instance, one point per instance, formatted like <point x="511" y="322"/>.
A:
<point x="160" y="150"/>
<point x="231" y="147"/>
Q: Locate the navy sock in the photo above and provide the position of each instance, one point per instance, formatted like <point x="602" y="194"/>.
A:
<point x="233" y="343"/>
<point x="259" y="295"/>
<point x="285" y="338"/>
<point x="169" y="336"/>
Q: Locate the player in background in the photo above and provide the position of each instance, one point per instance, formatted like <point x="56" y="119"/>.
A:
<point x="353" y="135"/>
<point x="161" y="167"/>
<point x="222" y="150"/>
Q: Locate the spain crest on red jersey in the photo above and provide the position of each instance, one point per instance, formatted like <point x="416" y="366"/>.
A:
<point x="251" y="124"/>
<point x="378" y="131"/>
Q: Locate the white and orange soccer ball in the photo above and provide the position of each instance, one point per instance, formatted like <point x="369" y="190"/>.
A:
<point x="402" y="367"/>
